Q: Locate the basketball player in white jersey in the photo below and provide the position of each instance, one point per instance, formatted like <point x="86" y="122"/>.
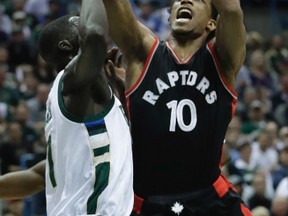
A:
<point x="89" y="161"/>
<point x="28" y="182"/>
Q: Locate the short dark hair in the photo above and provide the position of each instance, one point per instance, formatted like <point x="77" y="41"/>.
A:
<point x="52" y="33"/>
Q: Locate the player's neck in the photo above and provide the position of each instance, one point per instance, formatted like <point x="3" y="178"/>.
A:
<point x="184" y="48"/>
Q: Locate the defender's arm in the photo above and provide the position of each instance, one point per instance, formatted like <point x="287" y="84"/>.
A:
<point x="23" y="183"/>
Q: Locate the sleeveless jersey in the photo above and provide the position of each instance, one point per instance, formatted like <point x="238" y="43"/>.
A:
<point x="89" y="160"/>
<point x="179" y="115"/>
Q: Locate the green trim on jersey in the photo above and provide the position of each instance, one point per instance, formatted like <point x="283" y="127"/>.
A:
<point x="51" y="164"/>
<point x="102" y="176"/>
<point x="101" y="150"/>
<point x="96" y="131"/>
<point x="78" y="119"/>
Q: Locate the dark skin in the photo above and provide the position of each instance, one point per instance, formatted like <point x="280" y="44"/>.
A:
<point x="85" y="87"/>
<point x="186" y="36"/>
<point x="23" y="183"/>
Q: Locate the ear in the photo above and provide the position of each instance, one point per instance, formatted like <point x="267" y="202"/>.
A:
<point x="65" y="45"/>
<point x="211" y="26"/>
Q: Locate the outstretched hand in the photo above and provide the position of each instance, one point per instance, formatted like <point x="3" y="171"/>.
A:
<point x="115" y="73"/>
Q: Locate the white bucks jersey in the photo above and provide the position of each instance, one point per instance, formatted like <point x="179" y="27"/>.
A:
<point x="89" y="160"/>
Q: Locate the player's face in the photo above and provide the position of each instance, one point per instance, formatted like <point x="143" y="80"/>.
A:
<point x="190" y="16"/>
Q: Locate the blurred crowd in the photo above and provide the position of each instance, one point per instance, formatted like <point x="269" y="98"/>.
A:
<point x="257" y="137"/>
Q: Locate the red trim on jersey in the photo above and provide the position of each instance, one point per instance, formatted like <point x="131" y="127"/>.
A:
<point x="221" y="186"/>
<point x="128" y="107"/>
<point x="229" y="88"/>
<point x="138" y="202"/>
<point x="245" y="210"/>
<point x="176" y="57"/>
<point x="234" y="102"/>
<point x="145" y="68"/>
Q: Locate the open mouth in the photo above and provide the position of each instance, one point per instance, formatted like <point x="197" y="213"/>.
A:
<point x="184" y="14"/>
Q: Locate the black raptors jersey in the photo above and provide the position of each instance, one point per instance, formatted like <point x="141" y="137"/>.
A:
<point x="179" y="114"/>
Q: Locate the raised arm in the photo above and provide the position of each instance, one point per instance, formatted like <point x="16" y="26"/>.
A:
<point x="85" y="69"/>
<point x="24" y="183"/>
<point x="133" y="38"/>
<point x="230" y="36"/>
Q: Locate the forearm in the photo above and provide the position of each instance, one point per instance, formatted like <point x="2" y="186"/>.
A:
<point x="127" y="33"/>
<point x="93" y="31"/>
<point x="224" y="6"/>
<point x="93" y="16"/>
<point x="21" y="184"/>
<point x="230" y="35"/>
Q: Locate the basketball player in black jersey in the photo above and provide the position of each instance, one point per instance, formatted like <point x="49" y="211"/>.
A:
<point x="180" y="100"/>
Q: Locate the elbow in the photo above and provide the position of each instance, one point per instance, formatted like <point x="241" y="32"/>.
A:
<point x="93" y="37"/>
<point x="90" y="32"/>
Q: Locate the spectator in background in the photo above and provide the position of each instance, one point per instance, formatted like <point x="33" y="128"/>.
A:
<point x="37" y="104"/>
<point x="232" y="136"/>
<point x="260" y="211"/>
<point x="54" y="9"/>
<point x="14" y="5"/>
<point x="4" y="57"/>
<point x="266" y="158"/>
<point x="276" y="55"/>
<point x="3" y="123"/>
<point x="20" y="49"/>
<point x="260" y="76"/>
<point x="144" y="13"/>
<point x="249" y="95"/>
<point x="255" y="41"/>
<point x="281" y="190"/>
<point x="14" y="207"/>
<point x="263" y="152"/>
<point x="243" y="81"/>
<point x="29" y="134"/>
<point x="283" y="135"/>
<point x="281" y="114"/>
<point x="281" y="171"/>
<point x="162" y="16"/>
<point x="272" y="132"/>
<point x="19" y="22"/>
<point x="259" y="195"/>
<point x="279" y="206"/>
<point x="244" y="166"/>
<point x="37" y="8"/>
<point x="5" y="26"/>
<point x="12" y="148"/>
<point x="8" y="95"/>
<point x="281" y="95"/>
<point x="256" y="119"/>
<point x="27" y="81"/>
